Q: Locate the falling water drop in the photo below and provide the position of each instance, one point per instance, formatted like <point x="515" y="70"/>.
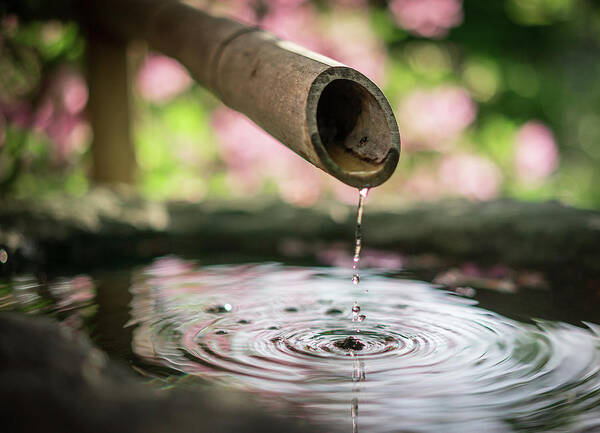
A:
<point x="362" y="195"/>
<point x="355" y="311"/>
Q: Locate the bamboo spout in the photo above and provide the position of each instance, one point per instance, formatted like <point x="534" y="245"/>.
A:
<point x="328" y="113"/>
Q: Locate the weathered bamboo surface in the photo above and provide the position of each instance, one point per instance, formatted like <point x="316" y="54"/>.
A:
<point x="102" y="228"/>
<point x="330" y="114"/>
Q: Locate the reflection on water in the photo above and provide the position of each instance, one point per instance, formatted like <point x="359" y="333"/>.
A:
<point x="428" y="360"/>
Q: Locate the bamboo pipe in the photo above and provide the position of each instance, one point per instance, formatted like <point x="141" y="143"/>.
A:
<point x="328" y="113"/>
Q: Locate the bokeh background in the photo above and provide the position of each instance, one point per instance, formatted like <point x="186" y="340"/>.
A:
<point x="493" y="99"/>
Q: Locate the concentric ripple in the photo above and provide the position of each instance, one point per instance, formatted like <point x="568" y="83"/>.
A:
<point x="424" y="359"/>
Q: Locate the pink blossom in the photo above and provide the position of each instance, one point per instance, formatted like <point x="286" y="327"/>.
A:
<point x="68" y="91"/>
<point x="2" y="130"/>
<point x="423" y="184"/>
<point x="296" y="23"/>
<point x="242" y="146"/>
<point x="536" y="152"/>
<point x="74" y="292"/>
<point x="429" y="18"/>
<point x="299" y="182"/>
<point x="431" y="119"/>
<point x="161" y="78"/>
<point x="351" y="3"/>
<point x="69" y="134"/>
<point x="18" y="113"/>
<point x="349" y="39"/>
<point x="252" y="156"/>
<point x="471" y="176"/>
<point x="342" y="192"/>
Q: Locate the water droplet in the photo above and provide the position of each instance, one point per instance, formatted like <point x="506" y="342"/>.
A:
<point x="355" y="279"/>
<point x="3" y="256"/>
<point x="356" y="308"/>
<point x="361" y="318"/>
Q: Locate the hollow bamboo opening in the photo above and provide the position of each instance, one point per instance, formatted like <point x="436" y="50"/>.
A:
<point x="352" y="128"/>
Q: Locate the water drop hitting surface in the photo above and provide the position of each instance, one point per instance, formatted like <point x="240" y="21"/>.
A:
<point x="434" y="360"/>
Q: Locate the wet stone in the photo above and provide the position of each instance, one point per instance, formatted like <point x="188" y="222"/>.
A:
<point x="221" y="332"/>
<point x="350" y="343"/>
<point x="226" y="308"/>
<point x="273" y="328"/>
<point x="291" y="310"/>
<point x="334" y="311"/>
<point x="243" y="322"/>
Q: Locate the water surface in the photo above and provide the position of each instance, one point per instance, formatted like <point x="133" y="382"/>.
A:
<point x="425" y="360"/>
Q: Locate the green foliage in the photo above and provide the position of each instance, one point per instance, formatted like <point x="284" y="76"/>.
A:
<point x="520" y="62"/>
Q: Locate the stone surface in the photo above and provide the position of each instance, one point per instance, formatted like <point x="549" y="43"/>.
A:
<point x="109" y="229"/>
<point x="52" y="380"/>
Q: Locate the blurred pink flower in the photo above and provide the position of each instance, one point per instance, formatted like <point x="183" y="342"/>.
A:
<point x="2" y="130"/>
<point x="471" y="176"/>
<point x="349" y="39"/>
<point x="536" y="152"/>
<point x="296" y="22"/>
<point x="161" y="78"/>
<point x="72" y="293"/>
<point x="69" y="134"/>
<point x="431" y="119"/>
<point x="351" y="3"/>
<point x="74" y="92"/>
<point x="243" y="146"/>
<point x="18" y="113"/>
<point x="429" y="18"/>
<point x="252" y="156"/>
<point x="423" y="184"/>
<point x="299" y="182"/>
<point x="59" y="113"/>
<point x="342" y="192"/>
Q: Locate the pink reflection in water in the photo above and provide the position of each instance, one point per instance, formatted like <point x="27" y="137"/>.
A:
<point x="471" y="176"/>
<point x="536" y="152"/>
<point x="431" y="119"/>
<point x="73" y="292"/>
<point x="429" y="18"/>
<point x="161" y="78"/>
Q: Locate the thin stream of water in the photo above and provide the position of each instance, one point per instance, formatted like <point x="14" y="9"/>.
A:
<point x="358" y="373"/>
<point x="362" y="195"/>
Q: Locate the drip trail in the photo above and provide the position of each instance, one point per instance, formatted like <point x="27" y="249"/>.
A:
<point x="356" y="316"/>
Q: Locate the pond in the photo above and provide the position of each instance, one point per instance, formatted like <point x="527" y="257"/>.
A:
<point x="424" y="359"/>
